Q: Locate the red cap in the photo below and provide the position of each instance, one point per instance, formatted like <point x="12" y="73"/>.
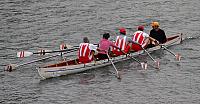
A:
<point x="141" y="28"/>
<point x="122" y="30"/>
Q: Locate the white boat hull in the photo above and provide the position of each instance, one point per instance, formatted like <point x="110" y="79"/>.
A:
<point x="49" y="72"/>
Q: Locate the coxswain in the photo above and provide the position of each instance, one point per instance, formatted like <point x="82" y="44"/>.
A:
<point x="104" y="46"/>
<point x="157" y="34"/>
<point x="122" y="41"/>
<point x="86" y="51"/>
<point x="141" y="39"/>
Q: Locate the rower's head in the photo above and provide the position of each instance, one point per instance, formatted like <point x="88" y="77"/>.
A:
<point x="122" y="31"/>
<point x="155" y="24"/>
<point x="141" y="28"/>
<point x="86" y="40"/>
<point x="106" y="35"/>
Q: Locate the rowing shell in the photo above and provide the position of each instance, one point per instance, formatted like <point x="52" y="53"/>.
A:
<point x="73" y="66"/>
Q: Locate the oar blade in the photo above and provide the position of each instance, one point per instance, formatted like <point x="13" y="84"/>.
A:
<point x="119" y="75"/>
<point x="178" y="56"/>
<point x="10" y="67"/>
<point x="117" y="72"/>
<point x="23" y="54"/>
<point x="144" y="65"/>
<point x="157" y="63"/>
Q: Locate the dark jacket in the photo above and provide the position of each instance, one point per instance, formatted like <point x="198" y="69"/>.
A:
<point x="158" y="35"/>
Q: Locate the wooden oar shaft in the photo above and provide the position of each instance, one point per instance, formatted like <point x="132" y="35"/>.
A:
<point x="131" y="57"/>
<point x="177" y="56"/>
<point x="55" y="51"/>
<point x="148" y="54"/>
<point x="117" y="73"/>
<point x="44" y="58"/>
<point x="138" y="61"/>
<point x="168" y="50"/>
<point x="37" y="60"/>
<point x="144" y="50"/>
<point x="13" y="66"/>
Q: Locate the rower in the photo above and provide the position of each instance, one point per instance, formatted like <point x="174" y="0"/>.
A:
<point x="104" y="46"/>
<point x="157" y="34"/>
<point x="141" y="39"/>
<point x="86" y="51"/>
<point x="121" y="41"/>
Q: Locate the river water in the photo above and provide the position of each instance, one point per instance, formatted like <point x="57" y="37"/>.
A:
<point x="44" y="24"/>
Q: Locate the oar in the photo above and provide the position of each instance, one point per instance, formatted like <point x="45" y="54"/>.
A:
<point x="177" y="56"/>
<point x="156" y="62"/>
<point x="143" y="64"/>
<point x="11" y="67"/>
<point x="117" y="73"/>
<point x="22" y="54"/>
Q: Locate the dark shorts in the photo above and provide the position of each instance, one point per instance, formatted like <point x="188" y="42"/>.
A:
<point x="101" y="56"/>
<point x="150" y="45"/>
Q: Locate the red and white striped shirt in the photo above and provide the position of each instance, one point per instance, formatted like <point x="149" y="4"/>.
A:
<point x="139" y="37"/>
<point x="84" y="52"/>
<point x="120" y="42"/>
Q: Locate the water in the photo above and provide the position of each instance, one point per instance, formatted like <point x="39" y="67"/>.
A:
<point x="35" y="24"/>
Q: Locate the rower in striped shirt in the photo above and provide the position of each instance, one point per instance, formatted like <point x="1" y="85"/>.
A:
<point x="141" y="39"/>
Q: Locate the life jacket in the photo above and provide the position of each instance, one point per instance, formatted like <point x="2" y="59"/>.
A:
<point x="121" y="43"/>
<point x="140" y="39"/>
<point x="84" y="53"/>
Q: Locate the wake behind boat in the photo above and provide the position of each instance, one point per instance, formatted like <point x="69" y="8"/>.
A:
<point x="73" y="66"/>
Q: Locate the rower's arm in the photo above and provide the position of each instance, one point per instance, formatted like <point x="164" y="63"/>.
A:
<point x="153" y="41"/>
